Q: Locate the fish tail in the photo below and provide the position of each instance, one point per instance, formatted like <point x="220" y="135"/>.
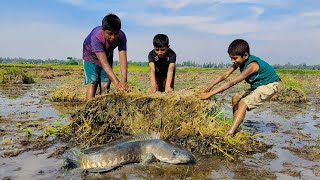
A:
<point x="72" y="158"/>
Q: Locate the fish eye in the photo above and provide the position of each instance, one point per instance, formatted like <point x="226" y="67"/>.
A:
<point x="175" y="152"/>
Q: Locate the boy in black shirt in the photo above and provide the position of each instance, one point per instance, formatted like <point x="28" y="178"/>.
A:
<point x="162" y="61"/>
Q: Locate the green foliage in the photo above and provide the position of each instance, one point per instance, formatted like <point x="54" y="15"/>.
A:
<point x="301" y="66"/>
<point x="24" y="61"/>
<point x="298" y="71"/>
<point x="2" y="72"/>
<point x="15" y="75"/>
<point x="58" y="123"/>
<point x="194" y="69"/>
<point x="28" y="132"/>
<point x="13" y="70"/>
<point x="72" y="62"/>
<point x="288" y="81"/>
<point x="49" y="131"/>
<point x="134" y="67"/>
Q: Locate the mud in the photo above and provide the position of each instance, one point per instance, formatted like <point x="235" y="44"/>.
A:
<point x="290" y="130"/>
<point x="311" y="153"/>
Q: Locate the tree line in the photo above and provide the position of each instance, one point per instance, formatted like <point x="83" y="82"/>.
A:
<point x="76" y="61"/>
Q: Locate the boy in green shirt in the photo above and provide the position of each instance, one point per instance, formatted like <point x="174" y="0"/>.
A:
<point x="259" y="74"/>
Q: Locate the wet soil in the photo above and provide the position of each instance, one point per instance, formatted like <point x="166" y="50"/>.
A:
<point x="291" y="130"/>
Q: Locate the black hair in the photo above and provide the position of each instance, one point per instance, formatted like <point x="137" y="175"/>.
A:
<point x="111" y="22"/>
<point x="239" y="47"/>
<point x="160" y="40"/>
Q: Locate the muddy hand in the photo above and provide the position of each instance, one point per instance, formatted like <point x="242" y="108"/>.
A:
<point x="169" y="89"/>
<point x="204" y="96"/>
<point x="153" y="88"/>
<point x="204" y="89"/>
<point x="124" y="87"/>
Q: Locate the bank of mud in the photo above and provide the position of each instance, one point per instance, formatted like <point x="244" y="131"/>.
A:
<point x="288" y="129"/>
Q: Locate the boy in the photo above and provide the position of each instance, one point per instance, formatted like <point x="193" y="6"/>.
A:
<point x="259" y="74"/>
<point x="98" y="57"/>
<point x="162" y="61"/>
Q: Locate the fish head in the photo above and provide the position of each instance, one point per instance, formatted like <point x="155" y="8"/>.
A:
<point x="170" y="153"/>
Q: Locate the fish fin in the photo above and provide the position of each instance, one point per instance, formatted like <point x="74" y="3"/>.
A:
<point x="148" y="158"/>
<point x="146" y="136"/>
<point x="72" y="158"/>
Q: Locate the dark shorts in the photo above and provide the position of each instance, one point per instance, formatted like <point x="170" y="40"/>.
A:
<point x="161" y="82"/>
<point x="94" y="74"/>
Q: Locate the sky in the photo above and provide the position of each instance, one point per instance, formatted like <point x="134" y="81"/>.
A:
<point x="278" y="31"/>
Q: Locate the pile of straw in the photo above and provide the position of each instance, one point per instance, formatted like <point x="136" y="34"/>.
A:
<point x="180" y="117"/>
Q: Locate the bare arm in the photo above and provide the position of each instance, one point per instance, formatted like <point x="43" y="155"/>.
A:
<point x="169" y="77"/>
<point x="107" y="68"/>
<point x="252" y="68"/>
<point x="123" y="68"/>
<point x="152" y="77"/>
<point x="221" y="78"/>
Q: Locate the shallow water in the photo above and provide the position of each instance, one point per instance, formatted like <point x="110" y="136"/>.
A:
<point x="281" y="125"/>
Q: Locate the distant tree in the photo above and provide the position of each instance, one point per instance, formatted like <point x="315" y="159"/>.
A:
<point x="71" y="61"/>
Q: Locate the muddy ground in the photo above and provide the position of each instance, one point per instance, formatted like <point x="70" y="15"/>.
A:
<point x="291" y="130"/>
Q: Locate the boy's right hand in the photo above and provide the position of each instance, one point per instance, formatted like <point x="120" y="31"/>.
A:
<point x="124" y="86"/>
<point x="205" y="89"/>
<point x="153" y="88"/>
<point x="204" y="96"/>
<point x="117" y="86"/>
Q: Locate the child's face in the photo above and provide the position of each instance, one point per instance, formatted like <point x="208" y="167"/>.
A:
<point x="111" y="36"/>
<point x="238" y="60"/>
<point x="161" y="51"/>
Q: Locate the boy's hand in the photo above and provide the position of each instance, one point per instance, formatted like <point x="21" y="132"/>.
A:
<point x="117" y="86"/>
<point x="124" y="86"/>
<point x="204" y="96"/>
<point x="153" y="88"/>
<point x="228" y="135"/>
<point x="205" y="89"/>
<point x="168" y="89"/>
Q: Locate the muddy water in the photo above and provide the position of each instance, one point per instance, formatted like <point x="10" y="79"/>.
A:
<point x="292" y="130"/>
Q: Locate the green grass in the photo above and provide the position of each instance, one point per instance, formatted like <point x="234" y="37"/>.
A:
<point x="57" y="66"/>
<point x="133" y="67"/>
<point x="289" y="81"/>
<point x="298" y="71"/>
<point x="13" y="70"/>
<point x="196" y="69"/>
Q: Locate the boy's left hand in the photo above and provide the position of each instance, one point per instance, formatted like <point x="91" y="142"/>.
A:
<point x="168" y="89"/>
<point x="204" y="96"/>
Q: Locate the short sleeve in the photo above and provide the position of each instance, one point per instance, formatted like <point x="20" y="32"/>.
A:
<point x="172" y="57"/>
<point x="151" y="56"/>
<point x="123" y="43"/>
<point x="96" y="45"/>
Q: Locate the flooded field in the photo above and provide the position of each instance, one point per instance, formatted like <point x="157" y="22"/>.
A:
<point x="291" y="130"/>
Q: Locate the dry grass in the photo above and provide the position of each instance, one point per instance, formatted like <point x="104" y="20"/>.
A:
<point x="179" y="116"/>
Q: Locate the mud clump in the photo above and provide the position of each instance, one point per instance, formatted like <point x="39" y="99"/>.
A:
<point x="15" y="76"/>
<point x="52" y="73"/>
<point x="311" y="153"/>
<point x="179" y="117"/>
<point x="68" y="93"/>
<point x="73" y="92"/>
<point x="290" y="95"/>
